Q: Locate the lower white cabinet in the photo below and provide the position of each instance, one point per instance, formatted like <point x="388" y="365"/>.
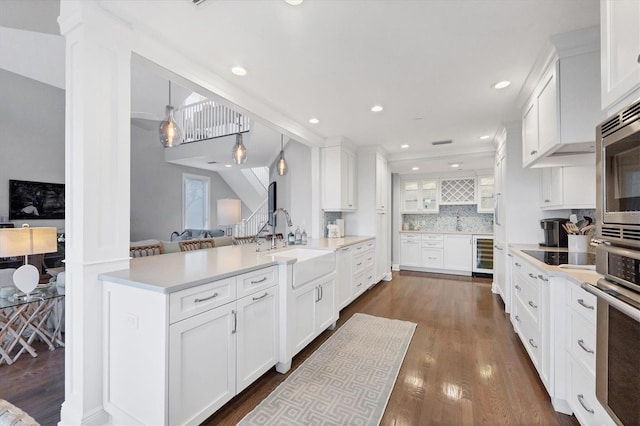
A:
<point x="314" y="311"/>
<point x="355" y="271"/>
<point x="196" y="348"/>
<point x="458" y="254"/>
<point x="344" y="276"/>
<point x="410" y="252"/>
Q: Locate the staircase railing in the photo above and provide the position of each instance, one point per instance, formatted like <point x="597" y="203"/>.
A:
<point x="207" y="120"/>
<point x="256" y="220"/>
<point x="262" y="174"/>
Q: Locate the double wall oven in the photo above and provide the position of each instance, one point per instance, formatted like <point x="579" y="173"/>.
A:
<point x="618" y="259"/>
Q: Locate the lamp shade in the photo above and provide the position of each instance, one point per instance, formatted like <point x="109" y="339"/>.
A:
<point x="229" y="211"/>
<point x="26" y="241"/>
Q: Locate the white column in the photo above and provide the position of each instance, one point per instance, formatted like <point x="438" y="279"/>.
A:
<point x="98" y="56"/>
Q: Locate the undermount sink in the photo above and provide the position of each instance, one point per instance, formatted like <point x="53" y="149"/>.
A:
<point x="310" y="264"/>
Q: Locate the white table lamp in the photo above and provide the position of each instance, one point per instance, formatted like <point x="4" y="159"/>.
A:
<point x="23" y="242"/>
<point x="229" y="212"/>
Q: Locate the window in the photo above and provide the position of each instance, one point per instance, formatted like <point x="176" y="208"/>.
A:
<point x="195" y="201"/>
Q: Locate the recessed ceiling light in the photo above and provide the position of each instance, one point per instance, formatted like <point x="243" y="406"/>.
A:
<point x="485" y="137"/>
<point x="293" y="2"/>
<point x="314" y="120"/>
<point x="227" y="165"/>
<point x="404" y="146"/>
<point x="415" y="168"/>
<point x="455" y="165"/>
<point x="376" y="108"/>
<point x="238" y="70"/>
<point x="501" y="84"/>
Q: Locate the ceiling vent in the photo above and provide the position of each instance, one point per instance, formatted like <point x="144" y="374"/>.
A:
<point x="441" y="142"/>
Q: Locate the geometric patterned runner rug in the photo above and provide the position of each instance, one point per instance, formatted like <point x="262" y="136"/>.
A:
<point x="347" y="381"/>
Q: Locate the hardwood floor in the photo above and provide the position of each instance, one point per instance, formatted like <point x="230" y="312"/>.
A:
<point x="465" y="365"/>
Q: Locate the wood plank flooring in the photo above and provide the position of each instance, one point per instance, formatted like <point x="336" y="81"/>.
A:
<point x="465" y="365"/>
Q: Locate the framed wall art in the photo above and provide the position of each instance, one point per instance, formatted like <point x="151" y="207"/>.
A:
<point x="35" y="200"/>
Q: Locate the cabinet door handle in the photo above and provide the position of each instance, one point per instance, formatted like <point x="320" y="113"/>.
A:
<point x="543" y="278"/>
<point x="584" y="348"/>
<point x="581" y="401"/>
<point x="263" y="279"/>
<point x="235" y="322"/>
<point x="533" y="305"/>
<point x="510" y="255"/>
<point x="581" y="302"/>
<point x="534" y="152"/>
<point x="517" y="264"/>
<point x="518" y="287"/>
<point x="518" y="318"/>
<point x="533" y="276"/>
<point x="547" y="201"/>
<point x="214" y="295"/>
<point x="261" y="297"/>
<point x="321" y="293"/>
<point x="533" y="343"/>
<point x="317" y="294"/>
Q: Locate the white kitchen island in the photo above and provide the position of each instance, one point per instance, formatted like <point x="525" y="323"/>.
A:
<point x="186" y="332"/>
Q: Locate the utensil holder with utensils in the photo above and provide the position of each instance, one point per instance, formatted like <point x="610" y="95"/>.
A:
<point x="578" y="243"/>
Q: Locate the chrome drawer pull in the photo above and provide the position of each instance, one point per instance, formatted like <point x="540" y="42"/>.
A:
<point x="581" y="401"/>
<point x="206" y="298"/>
<point x="533" y="276"/>
<point x="533" y="305"/>
<point x="518" y="287"/>
<point x="359" y="285"/>
<point x="581" y="302"/>
<point x="259" y="281"/>
<point x="370" y="258"/>
<point x="533" y="343"/>
<point x="542" y="277"/>
<point x="517" y="318"/>
<point x="359" y="264"/>
<point x="584" y="348"/>
<point x="517" y="264"/>
<point x="369" y="277"/>
<point x="510" y="255"/>
<point x="261" y="297"/>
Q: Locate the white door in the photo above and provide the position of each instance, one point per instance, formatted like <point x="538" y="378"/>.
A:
<point x="344" y="277"/>
<point x="326" y="313"/>
<point x="458" y="252"/>
<point x="202" y="365"/>
<point x="303" y="326"/>
<point x="410" y="252"/>
<point x="257" y="335"/>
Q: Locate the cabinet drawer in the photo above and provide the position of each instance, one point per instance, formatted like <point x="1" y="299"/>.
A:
<point x="360" y="262"/>
<point x="359" y="284"/>
<point x="370" y="245"/>
<point x="186" y="303"/>
<point x="258" y="280"/>
<point x="432" y="258"/>
<point x="528" y="292"/>
<point x="582" y="340"/>
<point x="581" y="396"/>
<point x="432" y="244"/>
<point x="582" y="302"/>
<point x="432" y="237"/>
<point x="369" y="258"/>
<point x="410" y="237"/>
<point x="529" y="334"/>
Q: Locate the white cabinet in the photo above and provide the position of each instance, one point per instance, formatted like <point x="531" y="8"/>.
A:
<point x="486" y="187"/>
<point x="568" y="187"/>
<point x="499" y="273"/>
<point x="202" y="365"/>
<point x="355" y="271"/>
<point x="344" y="277"/>
<point x="564" y="107"/>
<point x="410" y="246"/>
<point x="620" y="51"/>
<point x="432" y="251"/>
<point x="313" y="311"/>
<point x="338" y="179"/>
<point x="458" y="253"/>
<point x="198" y="347"/>
<point x="419" y="196"/>
<point x="382" y="189"/>
<point x="383" y="230"/>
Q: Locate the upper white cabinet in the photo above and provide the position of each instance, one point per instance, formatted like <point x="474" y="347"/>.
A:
<point x="620" y="50"/>
<point x="458" y="191"/>
<point x="338" y="179"/>
<point x="563" y="109"/>
<point x="568" y="188"/>
<point x="485" y="194"/>
<point x="419" y="196"/>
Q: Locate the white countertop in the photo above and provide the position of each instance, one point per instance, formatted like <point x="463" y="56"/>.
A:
<point x="446" y="232"/>
<point x="577" y="275"/>
<point x="172" y="272"/>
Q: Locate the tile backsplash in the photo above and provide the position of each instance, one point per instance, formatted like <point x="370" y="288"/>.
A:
<point x="328" y="218"/>
<point x="461" y="218"/>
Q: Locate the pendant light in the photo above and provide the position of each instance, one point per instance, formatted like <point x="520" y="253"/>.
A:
<point x="239" y="152"/>
<point x="282" y="163"/>
<point x="170" y="133"/>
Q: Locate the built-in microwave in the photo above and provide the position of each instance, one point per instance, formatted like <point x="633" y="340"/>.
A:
<point x="618" y="177"/>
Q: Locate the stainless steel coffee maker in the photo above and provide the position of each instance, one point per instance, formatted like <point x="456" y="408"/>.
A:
<point x="554" y="233"/>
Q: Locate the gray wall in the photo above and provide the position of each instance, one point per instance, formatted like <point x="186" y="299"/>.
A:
<point x="156" y="187"/>
<point x="32" y="132"/>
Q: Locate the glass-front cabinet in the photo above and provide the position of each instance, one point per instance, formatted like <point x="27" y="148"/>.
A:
<point x="485" y="194"/>
<point x="420" y="196"/>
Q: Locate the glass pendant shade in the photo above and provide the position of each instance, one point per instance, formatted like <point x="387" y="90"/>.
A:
<point x="170" y="133"/>
<point x="239" y="152"/>
<point x="282" y="163"/>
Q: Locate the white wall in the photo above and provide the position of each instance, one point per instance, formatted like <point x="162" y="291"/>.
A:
<point x="156" y="187"/>
<point x="32" y="132"/>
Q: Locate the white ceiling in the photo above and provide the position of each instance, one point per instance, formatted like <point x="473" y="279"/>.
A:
<point x="430" y="63"/>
